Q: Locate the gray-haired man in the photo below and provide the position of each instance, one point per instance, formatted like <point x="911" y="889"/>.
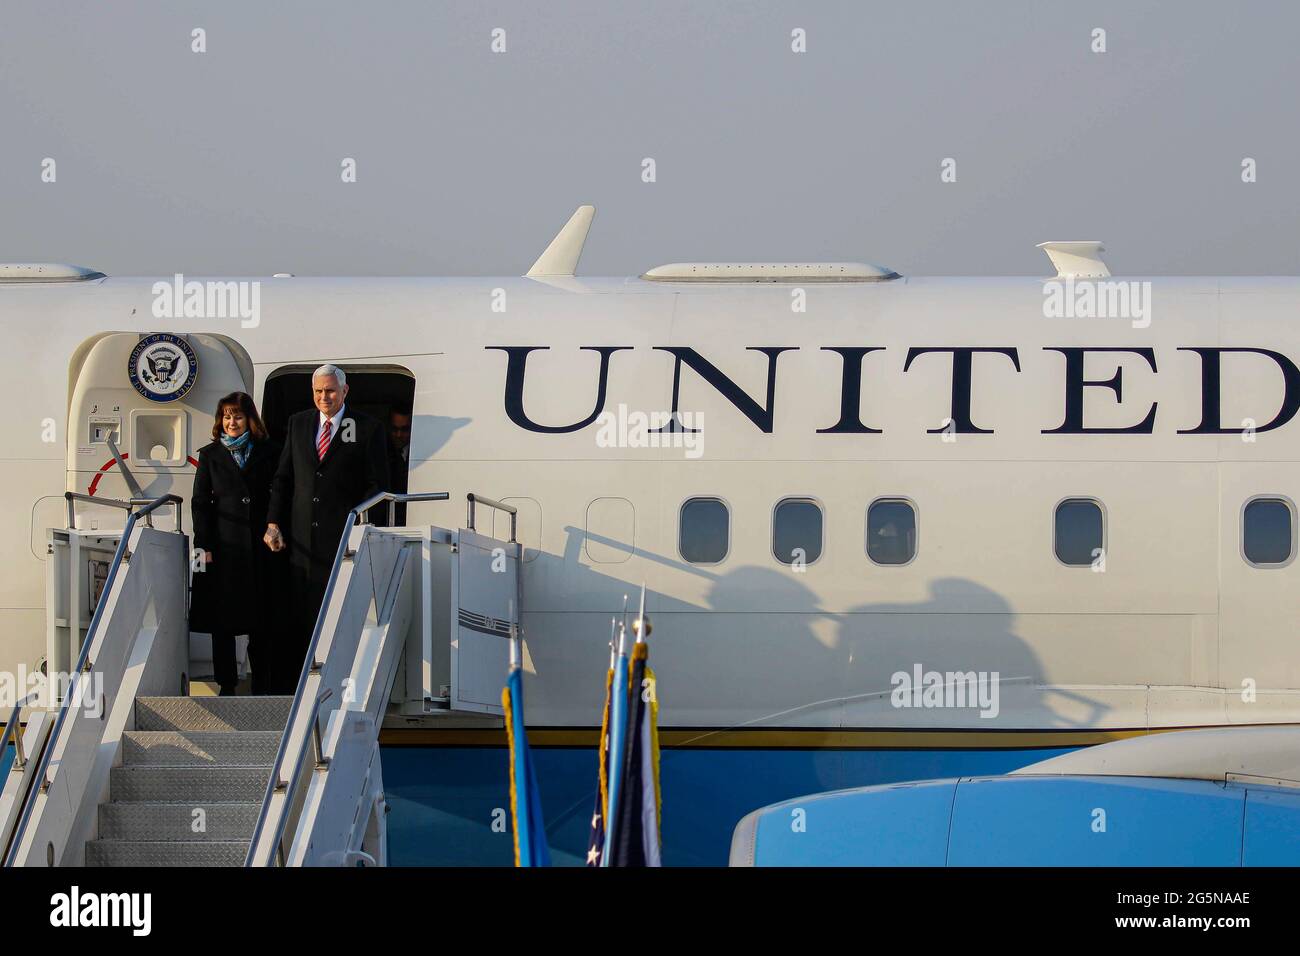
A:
<point x="334" y="458"/>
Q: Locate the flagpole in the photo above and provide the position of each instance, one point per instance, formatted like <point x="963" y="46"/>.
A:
<point x="636" y="816"/>
<point x="617" y="734"/>
<point x="515" y="653"/>
<point x="529" y="829"/>
<point x="596" y="838"/>
<point x="640" y="618"/>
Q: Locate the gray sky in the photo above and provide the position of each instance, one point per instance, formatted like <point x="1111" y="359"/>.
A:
<point x="228" y="162"/>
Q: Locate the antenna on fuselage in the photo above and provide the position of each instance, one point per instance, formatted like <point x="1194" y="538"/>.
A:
<point x="561" y="256"/>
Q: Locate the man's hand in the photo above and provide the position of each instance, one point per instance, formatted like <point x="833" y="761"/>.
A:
<point x="207" y="557"/>
<point x="273" y="539"/>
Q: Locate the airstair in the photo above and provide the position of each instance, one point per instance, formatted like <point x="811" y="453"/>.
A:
<point x="129" y="769"/>
<point x="191" y="783"/>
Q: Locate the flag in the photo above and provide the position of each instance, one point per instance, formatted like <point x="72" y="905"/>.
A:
<point x="596" y="840"/>
<point x="636" y="832"/>
<point x="525" y="801"/>
<point x="617" y="746"/>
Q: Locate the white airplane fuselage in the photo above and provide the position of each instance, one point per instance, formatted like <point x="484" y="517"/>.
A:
<point x="867" y="401"/>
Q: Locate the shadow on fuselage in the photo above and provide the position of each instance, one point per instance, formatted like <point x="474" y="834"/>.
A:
<point x="753" y="649"/>
<point x="429" y="433"/>
<point x="962" y="629"/>
<point x="760" y="651"/>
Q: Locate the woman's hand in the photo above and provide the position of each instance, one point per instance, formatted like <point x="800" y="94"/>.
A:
<point x="207" y="557"/>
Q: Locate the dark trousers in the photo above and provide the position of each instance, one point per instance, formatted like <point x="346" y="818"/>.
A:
<point x="223" y="661"/>
<point x="224" y="665"/>
<point x="292" y="644"/>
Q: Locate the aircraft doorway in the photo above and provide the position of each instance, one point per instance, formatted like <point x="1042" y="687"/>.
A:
<point x="385" y="392"/>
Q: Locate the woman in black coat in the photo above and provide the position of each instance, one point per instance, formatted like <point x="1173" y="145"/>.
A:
<point x="242" y="585"/>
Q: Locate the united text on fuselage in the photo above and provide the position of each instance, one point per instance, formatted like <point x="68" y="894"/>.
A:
<point x="859" y="360"/>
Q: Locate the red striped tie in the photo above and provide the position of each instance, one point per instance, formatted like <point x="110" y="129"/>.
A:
<point x="323" y="445"/>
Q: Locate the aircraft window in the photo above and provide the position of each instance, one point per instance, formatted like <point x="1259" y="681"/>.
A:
<point x="611" y="530"/>
<point x="704" y="531"/>
<point x="1080" y="532"/>
<point x="891" y="531"/>
<point x="797" y="531"/>
<point x="1267" y="532"/>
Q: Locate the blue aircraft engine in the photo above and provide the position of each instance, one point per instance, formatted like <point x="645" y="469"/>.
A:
<point x="1029" y="821"/>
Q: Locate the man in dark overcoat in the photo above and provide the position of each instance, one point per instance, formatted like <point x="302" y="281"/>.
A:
<point x="334" y="458"/>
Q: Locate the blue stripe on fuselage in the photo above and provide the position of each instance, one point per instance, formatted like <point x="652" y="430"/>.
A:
<point x="450" y="805"/>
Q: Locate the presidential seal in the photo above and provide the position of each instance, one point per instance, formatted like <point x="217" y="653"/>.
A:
<point x="162" y="367"/>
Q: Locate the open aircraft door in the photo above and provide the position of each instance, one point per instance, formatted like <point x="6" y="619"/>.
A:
<point x="152" y="397"/>
<point x="139" y="408"/>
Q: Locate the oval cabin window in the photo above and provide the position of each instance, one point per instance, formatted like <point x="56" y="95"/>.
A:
<point x="797" y="531"/>
<point x="1080" y="532"/>
<point x="1267" y="532"/>
<point x="704" y="531"/>
<point x="891" y="531"/>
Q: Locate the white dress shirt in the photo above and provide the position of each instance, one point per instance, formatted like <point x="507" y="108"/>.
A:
<point x="334" y="424"/>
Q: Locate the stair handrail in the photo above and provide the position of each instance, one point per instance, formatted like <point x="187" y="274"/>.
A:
<point x="310" y="666"/>
<point x="290" y="786"/>
<point x="11" y="730"/>
<point x="472" y="499"/>
<point x="70" y="497"/>
<point x="14" y="730"/>
<point x="84" y="662"/>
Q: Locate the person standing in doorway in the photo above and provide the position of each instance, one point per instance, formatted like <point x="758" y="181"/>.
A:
<point x="334" y="458"/>
<point x="238" y="584"/>
<point x="399" y="457"/>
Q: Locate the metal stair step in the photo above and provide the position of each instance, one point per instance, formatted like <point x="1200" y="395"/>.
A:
<point x="159" y="853"/>
<point x="175" y="822"/>
<point x="212" y="713"/>
<point x="197" y="785"/>
<point x="199" y="748"/>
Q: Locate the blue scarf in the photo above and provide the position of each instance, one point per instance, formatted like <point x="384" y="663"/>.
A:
<point x="240" y="447"/>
